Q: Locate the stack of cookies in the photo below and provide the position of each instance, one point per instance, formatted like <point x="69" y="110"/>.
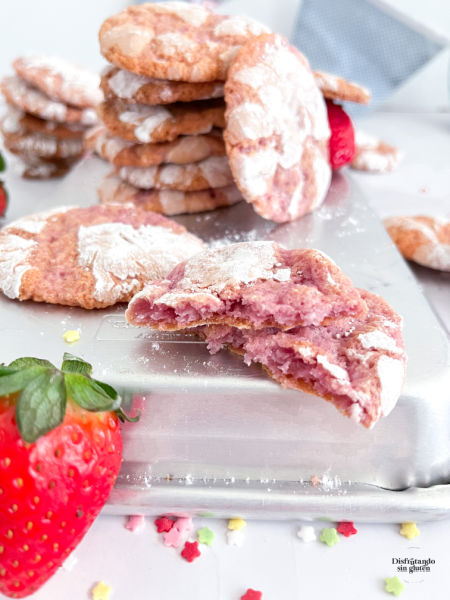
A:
<point x="164" y="112"/>
<point x="51" y="103"/>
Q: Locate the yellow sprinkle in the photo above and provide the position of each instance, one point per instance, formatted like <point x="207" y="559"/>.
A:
<point x="236" y="524"/>
<point x="71" y="335"/>
<point x="101" y="591"/>
<point x="409" y="530"/>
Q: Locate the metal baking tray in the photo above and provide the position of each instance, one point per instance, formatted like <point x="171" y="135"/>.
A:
<point x="219" y="438"/>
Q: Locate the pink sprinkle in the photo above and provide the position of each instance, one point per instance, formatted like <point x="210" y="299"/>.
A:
<point x="183" y="524"/>
<point x="135" y="523"/>
<point x="173" y="538"/>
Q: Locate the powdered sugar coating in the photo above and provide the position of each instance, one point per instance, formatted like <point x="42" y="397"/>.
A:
<point x="212" y="172"/>
<point x="24" y="96"/>
<point x="423" y="239"/>
<point x="90" y="257"/>
<point x="148" y="90"/>
<point x="143" y="123"/>
<point x="277" y="130"/>
<point x="187" y="42"/>
<point x="182" y="150"/>
<point x="125" y="84"/>
<point x="60" y="79"/>
<point x="250" y="284"/>
<point x="337" y="88"/>
<point x="168" y="202"/>
<point x="362" y="381"/>
<point x="374" y="155"/>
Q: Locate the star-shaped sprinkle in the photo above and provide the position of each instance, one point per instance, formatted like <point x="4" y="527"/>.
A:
<point x="409" y="530"/>
<point x="329" y="536"/>
<point x="346" y="528"/>
<point x="205" y="536"/>
<point x="393" y="585"/>
<point x="251" y="595"/>
<point x="101" y="591"/>
<point x="173" y="538"/>
<point x="190" y="551"/>
<point x="184" y="524"/>
<point x="236" y="524"/>
<point x="235" y="537"/>
<point x="163" y="524"/>
<point x="307" y="533"/>
<point x="135" y="523"/>
<point x="71" y="336"/>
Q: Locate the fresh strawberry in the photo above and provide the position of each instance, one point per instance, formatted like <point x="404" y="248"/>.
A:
<point x="342" y="139"/>
<point x="3" y="199"/>
<point x="60" y="454"/>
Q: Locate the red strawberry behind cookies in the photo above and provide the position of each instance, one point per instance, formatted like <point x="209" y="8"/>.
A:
<point x="3" y="193"/>
<point x="342" y="139"/>
<point x="60" y="454"/>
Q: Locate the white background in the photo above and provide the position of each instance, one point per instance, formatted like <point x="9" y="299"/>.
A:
<point x="272" y="559"/>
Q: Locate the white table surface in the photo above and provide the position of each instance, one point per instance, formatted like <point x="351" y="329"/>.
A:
<point x="272" y="559"/>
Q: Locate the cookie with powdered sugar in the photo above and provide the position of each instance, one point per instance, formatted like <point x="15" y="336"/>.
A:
<point x="31" y="167"/>
<point x="338" y="88"/>
<point x="90" y="257"/>
<point x="373" y="155"/>
<point x="60" y="79"/>
<point x="17" y="121"/>
<point x="41" y="145"/>
<point x="277" y="130"/>
<point x="249" y="284"/>
<point x="182" y="150"/>
<point x="118" y="83"/>
<point x="357" y="364"/>
<point x="175" y="40"/>
<point x="22" y="95"/>
<point x="167" y="202"/>
<point x="141" y="123"/>
<point x="213" y="172"/>
<point x="422" y="239"/>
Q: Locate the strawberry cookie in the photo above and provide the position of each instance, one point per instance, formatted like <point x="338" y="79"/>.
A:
<point x="141" y="123"/>
<point x="213" y="172"/>
<point x="41" y="145"/>
<point x="117" y="83"/>
<point x="182" y="150"/>
<point x="175" y="40"/>
<point x="168" y="202"/>
<point x="374" y="155"/>
<point x="60" y="79"/>
<point x="425" y="240"/>
<point x="22" y="95"/>
<point x="277" y="130"/>
<point x="90" y="257"/>
<point x="356" y="364"/>
<point x="250" y="284"/>
<point x="31" y="167"/>
<point x="334" y="87"/>
<point x="17" y="121"/>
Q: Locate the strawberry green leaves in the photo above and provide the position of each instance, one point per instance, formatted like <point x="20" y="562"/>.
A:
<point x="44" y="390"/>
<point x="42" y="405"/>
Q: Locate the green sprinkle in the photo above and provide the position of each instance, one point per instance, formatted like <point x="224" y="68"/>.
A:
<point x="393" y="585"/>
<point x="329" y="536"/>
<point x="205" y="536"/>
